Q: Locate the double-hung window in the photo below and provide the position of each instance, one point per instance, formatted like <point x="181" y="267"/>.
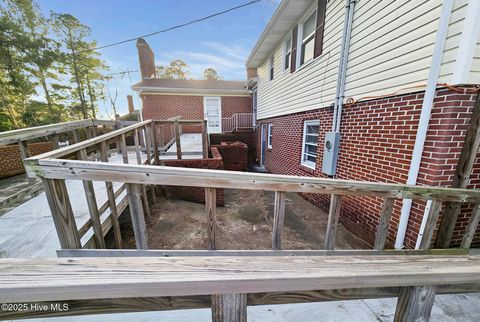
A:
<point x="308" y="38"/>
<point x="288" y="53"/>
<point x="309" y="144"/>
<point x="270" y="136"/>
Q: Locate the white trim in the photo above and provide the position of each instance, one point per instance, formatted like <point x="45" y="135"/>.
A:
<point x="307" y="15"/>
<point x="219" y="112"/>
<point x="286" y="50"/>
<point x="146" y="90"/>
<point x="306" y="163"/>
<point x="269" y="135"/>
<point x="468" y="42"/>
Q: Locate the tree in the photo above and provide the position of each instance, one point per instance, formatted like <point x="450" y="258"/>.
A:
<point x="211" y="74"/>
<point x="177" y="69"/>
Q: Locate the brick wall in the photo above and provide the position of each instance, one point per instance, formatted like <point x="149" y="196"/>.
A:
<point x="234" y="155"/>
<point x="236" y="104"/>
<point x="193" y="193"/>
<point x="247" y="137"/>
<point x="376" y="145"/>
<point x="10" y="159"/>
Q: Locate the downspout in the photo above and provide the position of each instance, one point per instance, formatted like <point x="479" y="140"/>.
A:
<point x="350" y="9"/>
<point x="425" y="119"/>
<point x="342" y="69"/>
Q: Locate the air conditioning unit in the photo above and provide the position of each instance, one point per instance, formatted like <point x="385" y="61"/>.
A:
<point x="330" y="153"/>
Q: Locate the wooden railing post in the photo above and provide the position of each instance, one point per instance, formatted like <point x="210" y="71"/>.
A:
<point x="75" y="136"/>
<point x="111" y="199"/>
<point x="229" y="308"/>
<point x="123" y="148"/>
<point x="92" y="207"/>
<point x="278" y="219"/>
<point x="25" y="154"/>
<point x="153" y="133"/>
<point x="430" y="226"/>
<point x="148" y="145"/>
<point x="136" y="141"/>
<point x="471" y="228"/>
<point x="211" y="210"/>
<point x="333" y="217"/>
<point x="204" y="139"/>
<point x="382" y="230"/>
<point x="415" y="303"/>
<point x="138" y="218"/>
<point x="55" y="141"/>
<point x="177" y="140"/>
<point x="62" y="213"/>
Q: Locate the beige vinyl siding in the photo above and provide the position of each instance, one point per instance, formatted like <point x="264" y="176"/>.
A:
<point x="391" y="50"/>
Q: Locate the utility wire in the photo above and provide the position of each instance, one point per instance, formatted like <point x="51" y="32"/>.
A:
<point x="173" y="27"/>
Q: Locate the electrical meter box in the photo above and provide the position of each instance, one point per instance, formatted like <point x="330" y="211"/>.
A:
<point x="330" y="153"/>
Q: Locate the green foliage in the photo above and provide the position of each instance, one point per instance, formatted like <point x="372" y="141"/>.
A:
<point x="211" y="74"/>
<point x="178" y="69"/>
<point x="47" y="72"/>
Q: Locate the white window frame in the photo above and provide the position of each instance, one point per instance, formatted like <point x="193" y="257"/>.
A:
<point x="269" y="135"/>
<point x="287" y="51"/>
<point x="298" y="59"/>
<point x="307" y="163"/>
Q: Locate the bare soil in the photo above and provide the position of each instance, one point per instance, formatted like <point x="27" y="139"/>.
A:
<point x="244" y="223"/>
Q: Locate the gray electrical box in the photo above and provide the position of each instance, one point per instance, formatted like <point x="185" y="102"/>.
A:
<point x="330" y="153"/>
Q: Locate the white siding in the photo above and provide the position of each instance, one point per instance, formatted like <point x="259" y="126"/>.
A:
<point x="475" y="70"/>
<point x="391" y="47"/>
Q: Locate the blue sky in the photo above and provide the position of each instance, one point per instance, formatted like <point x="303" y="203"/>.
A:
<point x="222" y="42"/>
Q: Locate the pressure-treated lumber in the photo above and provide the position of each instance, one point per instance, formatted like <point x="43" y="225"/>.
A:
<point x="205" y="143"/>
<point x="333" y="217"/>
<point x="69" y="278"/>
<point x="153" y="134"/>
<point x="62" y="213"/>
<point x="382" y="230"/>
<point x="136" y="140"/>
<point x="472" y="227"/>
<point x="430" y="226"/>
<point x="177" y="140"/>
<point x="461" y="179"/>
<point x="211" y="212"/>
<point x="142" y="174"/>
<point x="278" y="219"/>
<point x="25" y="154"/>
<point x="229" y="308"/>
<point x="415" y="303"/>
<point x="137" y="215"/>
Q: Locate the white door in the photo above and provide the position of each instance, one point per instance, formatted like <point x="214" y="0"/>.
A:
<point x="213" y="114"/>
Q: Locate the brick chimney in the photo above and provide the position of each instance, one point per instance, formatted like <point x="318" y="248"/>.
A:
<point x="131" y="108"/>
<point x="146" y="59"/>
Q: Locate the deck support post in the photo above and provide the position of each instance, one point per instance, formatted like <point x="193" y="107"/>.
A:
<point x="138" y="218"/>
<point x="415" y="303"/>
<point x="211" y="211"/>
<point x="382" y="230"/>
<point x="278" y="219"/>
<point x="229" y="308"/>
<point x="62" y="213"/>
<point x="177" y="140"/>
<point x="333" y="217"/>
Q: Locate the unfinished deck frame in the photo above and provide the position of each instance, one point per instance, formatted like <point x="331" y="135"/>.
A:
<point x="230" y="283"/>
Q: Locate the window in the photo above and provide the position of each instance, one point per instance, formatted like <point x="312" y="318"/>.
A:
<point x="288" y="53"/>
<point x="308" y="38"/>
<point x="269" y="135"/>
<point x="270" y="67"/>
<point x="309" y="145"/>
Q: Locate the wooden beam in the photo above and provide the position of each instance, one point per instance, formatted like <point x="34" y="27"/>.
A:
<point x="415" y="303"/>
<point x="463" y="172"/>
<point x="177" y="140"/>
<point x="142" y="174"/>
<point x="431" y="224"/>
<point x="211" y="212"/>
<point x="229" y="308"/>
<point x="111" y="200"/>
<point x="92" y="207"/>
<point x="278" y="219"/>
<point x="205" y="140"/>
<point x="57" y="279"/>
<point x="62" y="213"/>
<point x="382" y="230"/>
<point x="138" y="217"/>
<point x="333" y="217"/>
<point x="471" y="228"/>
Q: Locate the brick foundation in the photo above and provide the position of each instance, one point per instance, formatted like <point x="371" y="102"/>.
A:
<point x="192" y="193"/>
<point x="376" y="145"/>
<point x="234" y="155"/>
<point x="10" y="159"/>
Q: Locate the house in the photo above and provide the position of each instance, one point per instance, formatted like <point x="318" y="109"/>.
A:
<point x="226" y="105"/>
<point x="375" y="90"/>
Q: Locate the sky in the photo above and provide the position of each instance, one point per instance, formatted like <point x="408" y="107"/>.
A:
<point x="222" y="42"/>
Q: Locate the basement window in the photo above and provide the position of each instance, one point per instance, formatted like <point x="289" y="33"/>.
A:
<point x="309" y="144"/>
<point x="308" y="38"/>
<point x="269" y="136"/>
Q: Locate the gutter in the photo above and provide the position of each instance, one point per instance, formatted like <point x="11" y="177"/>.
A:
<point x="424" y="122"/>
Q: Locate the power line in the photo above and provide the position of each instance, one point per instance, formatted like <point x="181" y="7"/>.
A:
<point x="174" y="27"/>
<point x="124" y="72"/>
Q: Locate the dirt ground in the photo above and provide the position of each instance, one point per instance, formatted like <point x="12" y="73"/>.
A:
<point x="244" y="223"/>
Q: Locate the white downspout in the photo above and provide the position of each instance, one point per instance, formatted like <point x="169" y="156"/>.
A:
<point x="425" y="117"/>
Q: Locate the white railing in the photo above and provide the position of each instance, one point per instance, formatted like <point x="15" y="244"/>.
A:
<point x="238" y="121"/>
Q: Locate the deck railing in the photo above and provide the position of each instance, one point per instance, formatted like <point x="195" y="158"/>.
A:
<point x="238" y="121"/>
